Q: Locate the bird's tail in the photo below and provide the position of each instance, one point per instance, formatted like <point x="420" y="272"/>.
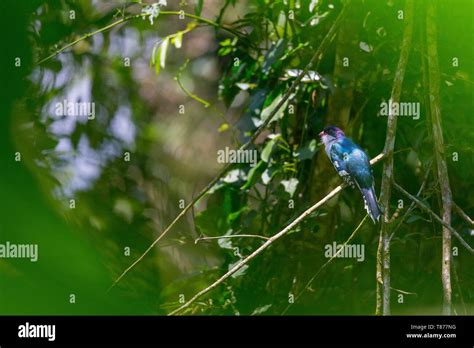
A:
<point x="371" y="205"/>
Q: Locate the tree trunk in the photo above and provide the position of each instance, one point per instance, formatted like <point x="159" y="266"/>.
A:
<point x="442" y="169"/>
<point x="383" y="259"/>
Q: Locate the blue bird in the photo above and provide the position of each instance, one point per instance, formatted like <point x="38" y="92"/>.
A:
<point x="352" y="164"/>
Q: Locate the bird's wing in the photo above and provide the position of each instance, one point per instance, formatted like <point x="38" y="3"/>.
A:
<point x="338" y="155"/>
<point x="358" y="165"/>
<point x="351" y="162"/>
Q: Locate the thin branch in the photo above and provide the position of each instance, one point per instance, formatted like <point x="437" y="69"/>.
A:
<point x="231" y="236"/>
<point x="202" y="101"/>
<point x="404" y="292"/>
<point x="265" y="245"/>
<point x="86" y="36"/>
<point x="435" y="216"/>
<point x="316" y="57"/>
<point x="412" y="205"/>
<point x="383" y="259"/>
<point x="458" y="283"/>
<point x="126" y="19"/>
<point x="378" y="278"/>
<point x="461" y="212"/>
<point x="326" y="264"/>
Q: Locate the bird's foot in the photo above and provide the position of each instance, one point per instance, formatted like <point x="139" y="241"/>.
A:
<point x="347" y="179"/>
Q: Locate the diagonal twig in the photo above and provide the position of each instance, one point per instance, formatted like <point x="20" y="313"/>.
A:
<point x="326" y="264"/>
<point x="231" y="236"/>
<point x="272" y="239"/>
<point x="463" y="214"/>
<point x="412" y="205"/>
<point x="425" y="208"/>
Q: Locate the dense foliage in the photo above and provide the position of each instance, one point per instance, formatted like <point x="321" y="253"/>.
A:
<point x="194" y="87"/>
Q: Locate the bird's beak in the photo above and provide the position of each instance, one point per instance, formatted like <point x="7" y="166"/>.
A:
<point x="321" y="134"/>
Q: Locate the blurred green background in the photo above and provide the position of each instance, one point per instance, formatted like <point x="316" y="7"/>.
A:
<point x="122" y="204"/>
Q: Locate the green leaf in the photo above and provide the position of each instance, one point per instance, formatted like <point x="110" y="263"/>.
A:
<point x="177" y="40"/>
<point x="198" y="7"/>
<point x="224" y="51"/>
<point x="212" y="221"/>
<point x="256" y="101"/>
<point x="236" y="214"/>
<point x="223" y="127"/>
<point x="254" y="174"/>
<point x="153" y="55"/>
<point x="226" y="42"/>
<point x="226" y="47"/>
<point x="157" y="65"/>
<point x="413" y="218"/>
<point x="306" y="152"/>
<point x="274" y="55"/>
<point x="234" y="175"/>
<point x="267" y="150"/>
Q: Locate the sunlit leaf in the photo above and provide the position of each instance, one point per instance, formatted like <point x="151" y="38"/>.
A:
<point x="268" y="174"/>
<point x="223" y="127"/>
<point x="261" y="309"/>
<point x="177" y="40"/>
<point x="163" y="50"/>
<point x="364" y="46"/>
<point x="290" y="185"/>
<point x="225" y="243"/>
<point x="310" y="76"/>
<point x="234" y="176"/>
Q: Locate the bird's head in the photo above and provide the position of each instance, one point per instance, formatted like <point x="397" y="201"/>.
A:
<point x="330" y="133"/>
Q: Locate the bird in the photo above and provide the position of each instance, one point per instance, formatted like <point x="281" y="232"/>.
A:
<point x="352" y="164"/>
